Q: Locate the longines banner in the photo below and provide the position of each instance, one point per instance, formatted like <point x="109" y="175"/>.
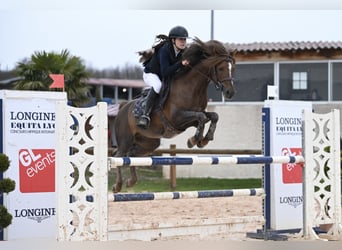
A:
<point x="28" y="139"/>
<point x="283" y="121"/>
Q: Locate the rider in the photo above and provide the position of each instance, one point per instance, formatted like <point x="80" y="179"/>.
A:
<point x="164" y="63"/>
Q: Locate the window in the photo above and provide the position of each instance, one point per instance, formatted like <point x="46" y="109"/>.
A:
<point x="337" y="81"/>
<point x="299" y="80"/>
<point x="252" y="80"/>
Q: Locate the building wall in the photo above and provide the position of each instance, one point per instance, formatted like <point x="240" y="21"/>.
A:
<point x="239" y="127"/>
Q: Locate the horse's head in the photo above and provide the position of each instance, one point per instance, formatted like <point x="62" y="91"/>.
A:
<point x="222" y="76"/>
<point x="213" y="58"/>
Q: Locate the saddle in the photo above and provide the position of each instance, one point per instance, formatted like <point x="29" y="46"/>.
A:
<point x="159" y="102"/>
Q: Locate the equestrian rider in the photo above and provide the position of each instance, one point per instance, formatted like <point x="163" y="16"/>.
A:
<point x="162" y="66"/>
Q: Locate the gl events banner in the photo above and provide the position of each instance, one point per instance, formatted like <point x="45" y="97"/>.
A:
<point x="28" y="139"/>
<point x="284" y="194"/>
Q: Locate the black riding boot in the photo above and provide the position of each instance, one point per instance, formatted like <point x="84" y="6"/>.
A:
<point x="144" y="119"/>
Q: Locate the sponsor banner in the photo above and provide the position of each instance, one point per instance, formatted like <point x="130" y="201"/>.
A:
<point x="292" y="172"/>
<point x="285" y="138"/>
<point x="29" y="141"/>
<point x="37" y="170"/>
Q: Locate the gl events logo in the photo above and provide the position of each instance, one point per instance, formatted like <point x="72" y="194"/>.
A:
<point x="37" y="170"/>
<point x="292" y="172"/>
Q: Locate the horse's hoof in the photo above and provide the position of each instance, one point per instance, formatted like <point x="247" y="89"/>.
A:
<point x="202" y="144"/>
<point x="190" y="143"/>
<point x="130" y="183"/>
<point x="116" y="188"/>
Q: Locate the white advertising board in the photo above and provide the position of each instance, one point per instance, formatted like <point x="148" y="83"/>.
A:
<point x="29" y="139"/>
<point x="285" y="195"/>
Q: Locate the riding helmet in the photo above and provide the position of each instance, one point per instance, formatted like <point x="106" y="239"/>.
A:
<point x="178" y="32"/>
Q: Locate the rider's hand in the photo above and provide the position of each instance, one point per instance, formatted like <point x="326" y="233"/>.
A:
<point x="185" y="62"/>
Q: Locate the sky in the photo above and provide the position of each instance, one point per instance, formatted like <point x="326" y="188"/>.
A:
<point x="107" y="36"/>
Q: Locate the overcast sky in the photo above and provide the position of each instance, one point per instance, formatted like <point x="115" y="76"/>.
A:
<point x="107" y="36"/>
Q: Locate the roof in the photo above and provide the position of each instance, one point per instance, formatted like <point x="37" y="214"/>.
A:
<point x="10" y="80"/>
<point x="116" y="82"/>
<point x="284" y="46"/>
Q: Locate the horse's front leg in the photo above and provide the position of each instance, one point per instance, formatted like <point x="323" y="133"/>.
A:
<point x="213" y="117"/>
<point x="192" y="141"/>
<point x="194" y="118"/>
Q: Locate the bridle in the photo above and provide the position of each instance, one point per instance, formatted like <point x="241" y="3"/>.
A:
<point x="217" y="82"/>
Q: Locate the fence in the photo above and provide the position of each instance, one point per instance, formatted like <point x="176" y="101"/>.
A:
<point x="82" y="202"/>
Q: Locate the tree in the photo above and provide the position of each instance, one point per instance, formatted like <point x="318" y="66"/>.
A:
<point x="127" y="71"/>
<point x="35" y="74"/>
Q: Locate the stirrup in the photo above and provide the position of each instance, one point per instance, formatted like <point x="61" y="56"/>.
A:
<point x="143" y="122"/>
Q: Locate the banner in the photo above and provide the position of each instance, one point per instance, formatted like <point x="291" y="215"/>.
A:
<point x="282" y="121"/>
<point x="29" y="140"/>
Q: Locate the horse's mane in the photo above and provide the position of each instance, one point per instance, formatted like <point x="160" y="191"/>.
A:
<point x="208" y="53"/>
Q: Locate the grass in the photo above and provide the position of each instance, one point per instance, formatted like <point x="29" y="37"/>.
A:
<point x="151" y="180"/>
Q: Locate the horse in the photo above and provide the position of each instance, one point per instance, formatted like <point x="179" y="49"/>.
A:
<point x="183" y="107"/>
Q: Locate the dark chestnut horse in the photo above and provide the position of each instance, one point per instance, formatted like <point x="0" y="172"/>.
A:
<point x="184" y="107"/>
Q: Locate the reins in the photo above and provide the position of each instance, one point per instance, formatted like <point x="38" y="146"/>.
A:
<point x="217" y="83"/>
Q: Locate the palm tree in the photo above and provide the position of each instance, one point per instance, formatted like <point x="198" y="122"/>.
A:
<point x="35" y="74"/>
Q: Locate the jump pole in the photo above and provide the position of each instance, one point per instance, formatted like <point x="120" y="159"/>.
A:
<point x="82" y="204"/>
<point x="120" y="197"/>
<point x="202" y="160"/>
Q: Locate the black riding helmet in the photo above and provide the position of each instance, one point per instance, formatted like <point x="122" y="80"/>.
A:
<point x="178" y="32"/>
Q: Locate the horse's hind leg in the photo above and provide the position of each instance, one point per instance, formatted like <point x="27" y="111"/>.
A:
<point x="131" y="181"/>
<point x="213" y="117"/>
<point x="118" y="185"/>
<point x="143" y="147"/>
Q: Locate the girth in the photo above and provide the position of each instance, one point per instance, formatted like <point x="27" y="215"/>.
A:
<point x="169" y="130"/>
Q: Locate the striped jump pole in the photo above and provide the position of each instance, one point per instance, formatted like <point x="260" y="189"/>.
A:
<point x="202" y="160"/>
<point x="187" y="194"/>
<point x="88" y="197"/>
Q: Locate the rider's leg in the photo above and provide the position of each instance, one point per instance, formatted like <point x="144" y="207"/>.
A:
<point x="144" y="119"/>
<point x="152" y="80"/>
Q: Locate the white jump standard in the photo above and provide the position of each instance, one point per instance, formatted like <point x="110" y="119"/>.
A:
<point x="83" y="175"/>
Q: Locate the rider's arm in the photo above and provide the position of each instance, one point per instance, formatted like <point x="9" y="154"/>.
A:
<point x="167" y="69"/>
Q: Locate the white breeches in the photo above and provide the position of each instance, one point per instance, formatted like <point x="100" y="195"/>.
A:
<point x="152" y="80"/>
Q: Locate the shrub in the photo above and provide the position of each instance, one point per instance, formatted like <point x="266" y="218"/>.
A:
<point x="6" y="185"/>
<point x="4" y="162"/>
<point x="5" y="217"/>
